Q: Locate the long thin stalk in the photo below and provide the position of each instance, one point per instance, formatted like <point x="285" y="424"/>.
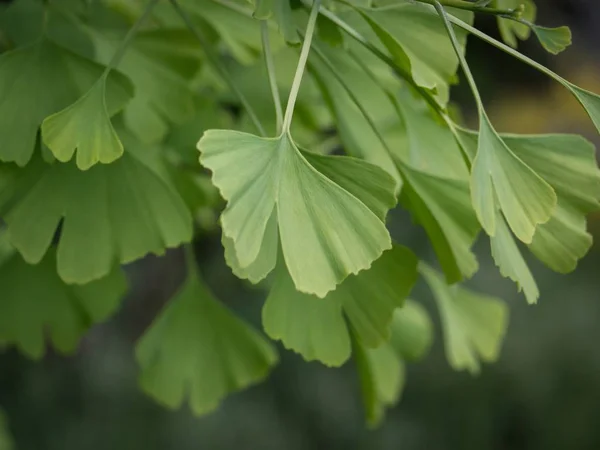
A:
<point x="468" y="6"/>
<point x="214" y="60"/>
<point x="310" y="30"/>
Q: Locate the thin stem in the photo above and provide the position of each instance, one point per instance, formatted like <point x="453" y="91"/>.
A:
<point x="214" y="60"/>
<point x="310" y="30"/>
<point x="264" y="29"/>
<point x="114" y="62"/>
<point x="463" y="61"/>
<point x="461" y="4"/>
<point x="511" y="51"/>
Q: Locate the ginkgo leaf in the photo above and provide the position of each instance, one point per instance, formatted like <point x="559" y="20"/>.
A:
<point x="110" y="214"/>
<point x="412" y="331"/>
<point x="554" y="40"/>
<point x="568" y="164"/>
<point x="474" y="325"/>
<point x="436" y="188"/>
<point x="200" y="351"/>
<point x="382" y="377"/>
<point x="263" y="9"/>
<point x="589" y="100"/>
<point x="316" y="216"/>
<point x="501" y="180"/>
<point x="510" y="29"/>
<point x="38" y="80"/>
<point x="36" y="303"/>
<point x="85" y="125"/>
<point x="315" y="327"/>
<point x="417" y="40"/>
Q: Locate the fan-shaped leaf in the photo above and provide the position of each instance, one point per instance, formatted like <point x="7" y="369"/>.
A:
<point x="110" y="214"/>
<point x="412" y="331"/>
<point x="510" y="30"/>
<point x="315" y="327"/>
<point x="36" y="81"/>
<point x="589" y="100"/>
<point x="501" y="180"/>
<point x="554" y="40"/>
<point x="473" y="324"/>
<point x="37" y="302"/>
<point x="197" y="348"/>
<point x="315" y="215"/>
<point x="85" y="126"/>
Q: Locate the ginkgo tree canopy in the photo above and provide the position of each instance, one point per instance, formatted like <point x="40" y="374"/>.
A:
<point x="287" y="131"/>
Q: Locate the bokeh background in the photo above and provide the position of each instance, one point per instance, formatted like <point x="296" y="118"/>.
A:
<point x="543" y="393"/>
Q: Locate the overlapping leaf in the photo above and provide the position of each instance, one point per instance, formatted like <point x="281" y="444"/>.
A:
<point x="414" y="36"/>
<point x="110" y="214"/>
<point x="474" y="324"/>
<point x="38" y="80"/>
<point x="281" y="11"/>
<point x="36" y="303"/>
<point x="329" y="208"/>
<point x="511" y="30"/>
<point x="316" y="328"/>
<point x="198" y="350"/>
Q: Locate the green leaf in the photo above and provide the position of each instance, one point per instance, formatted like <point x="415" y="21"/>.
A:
<point x="510" y="30"/>
<point x="85" y="125"/>
<point x="263" y="9"/>
<point x="501" y="180"/>
<point x="198" y="349"/>
<point x="29" y="92"/>
<point x="260" y="177"/>
<point x="36" y="303"/>
<point x="6" y="442"/>
<point x="568" y="164"/>
<point x="416" y="39"/>
<point x="412" y="331"/>
<point x="509" y="260"/>
<point x="589" y="100"/>
<point x="110" y="214"/>
<point x="382" y="377"/>
<point x="315" y="327"/>
<point x="554" y="40"/>
<point x="436" y="188"/>
<point x="474" y="325"/>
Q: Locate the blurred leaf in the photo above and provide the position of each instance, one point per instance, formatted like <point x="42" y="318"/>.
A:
<point x="6" y="442"/>
<point x="37" y="302"/>
<point x="510" y="30"/>
<point x="382" y="378"/>
<point x="197" y="349"/>
<point x="261" y="177"/>
<point x="474" y="325"/>
<point x="412" y="331"/>
<point x="315" y="327"/>
<point x="111" y="214"/>
<point x="85" y="125"/>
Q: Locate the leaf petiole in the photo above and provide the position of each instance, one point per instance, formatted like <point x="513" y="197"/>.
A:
<point x="310" y="30"/>
<point x="468" y="6"/>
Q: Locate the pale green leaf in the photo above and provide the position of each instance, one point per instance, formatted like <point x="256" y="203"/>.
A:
<point x="37" y="303"/>
<point x="412" y="331"/>
<point x="110" y="214"/>
<point x="316" y="216"/>
<point x="501" y="180"/>
<point x="36" y="81"/>
<point x="509" y="260"/>
<point x="568" y="164"/>
<point x="263" y="9"/>
<point x="315" y="327"/>
<point x="474" y="325"/>
<point x="417" y="40"/>
<point x="589" y="100"/>
<point x="198" y="350"/>
<point x="554" y="40"/>
<point x="85" y="126"/>
<point x="382" y="377"/>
